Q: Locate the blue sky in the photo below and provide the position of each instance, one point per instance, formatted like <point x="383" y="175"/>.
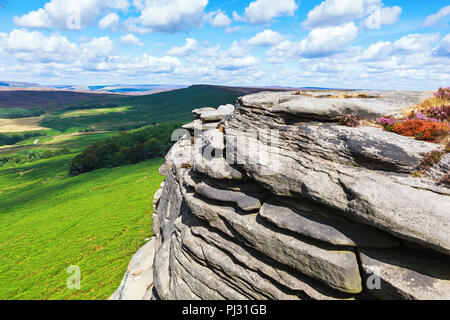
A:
<point x="395" y="44"/>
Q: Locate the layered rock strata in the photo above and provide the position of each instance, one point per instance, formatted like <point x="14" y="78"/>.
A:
<point x="275" y="200"/>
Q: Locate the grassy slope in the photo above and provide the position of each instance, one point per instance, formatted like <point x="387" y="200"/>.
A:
<point x="49" y="221"/>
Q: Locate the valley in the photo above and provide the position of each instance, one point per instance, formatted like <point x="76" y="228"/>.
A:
<point x="50" y="220"/>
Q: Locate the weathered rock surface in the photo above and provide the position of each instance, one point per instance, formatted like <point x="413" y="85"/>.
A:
<point x="247" y="202"/>
<point x="198" y="112"/>
<point x="382" y="103"/>
<point x="405" y="274"/>
<point x="139" y="276"/>
<point x="371" y="196"/>
<point x="207" y="162"/>
<point x="316" y="222"/>
<point x="442" y="168"/>
<point x="338" y="269"/>
<point x="217" y="115"/>
<point x="200" y="126"/>
<point x="274" y="201"/>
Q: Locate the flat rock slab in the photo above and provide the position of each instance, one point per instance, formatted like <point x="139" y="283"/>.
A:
<point x="309" y="105"/>
<point x="199" y="126"/>
<point x="245" y="201"/>
<point x="221" y="113"/>
<point x="406" y="274"/>
<point x="317" y="222"/>
<point x="335" y="268"/>
<point x="198" y="112"/>
<point x="139" y="276"/>
<point x="252" y="260"/>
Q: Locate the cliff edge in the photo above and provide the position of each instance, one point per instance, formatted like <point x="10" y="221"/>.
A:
<point x="273" y="199"/>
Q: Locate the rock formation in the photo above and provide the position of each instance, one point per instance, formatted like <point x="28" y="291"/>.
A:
<point x="273" y="199"/>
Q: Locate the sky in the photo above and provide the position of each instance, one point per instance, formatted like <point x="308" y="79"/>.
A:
<point x="370" y="44"/>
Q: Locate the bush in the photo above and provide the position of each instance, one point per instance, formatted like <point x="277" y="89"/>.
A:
<point x="443" y="93"/>
<point x="430" y="159"/>
<point x="11" y="160"/>
<point x="441" y="113"/>
<point x="47" y="154"/>
<point x="350" y="120"/>
<point x="422" y="129"/>
<point x="445" y="180"/>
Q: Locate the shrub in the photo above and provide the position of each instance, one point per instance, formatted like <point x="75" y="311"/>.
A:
<point x="387" y="123"/>
<point x="430" y="159"/>
<point x="443" y="93"/>
<point x="445" y="180"/>
<point x="47" y="154"/>
<point x="421" y="129"/>
<point x="61" y="152"/>
<point x="441" y="113"/>
<point x="421" y="116"/>
<point x="350" y="120"/>
<point x="11" y="160"/>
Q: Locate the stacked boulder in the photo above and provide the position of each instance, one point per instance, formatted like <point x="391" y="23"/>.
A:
<point x="272" y="199"/>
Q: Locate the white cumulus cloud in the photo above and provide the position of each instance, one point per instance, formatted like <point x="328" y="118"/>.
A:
<point x="219" y="19"/>
<point x="443" y="49"/>
<point x="68" y="14"/>
<point x="320" y="42"/>
<point x="169" y="16"/>
<point x="335" y="12"/>
<point x="382" y="16"/>
<point x="131" y="39"/>
<point x="188" y="48"/>
<point x="109" y="21"/>
<point x="38" y="47"/>
<point x="266" y="38"/>
<point x="98" y="48"/>
<point x="415" y="42"/>
<point x="263" y="11"/>
<point x="435" y="18"/>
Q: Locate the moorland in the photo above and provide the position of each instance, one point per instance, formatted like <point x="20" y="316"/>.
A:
<point x="52" y="217"/>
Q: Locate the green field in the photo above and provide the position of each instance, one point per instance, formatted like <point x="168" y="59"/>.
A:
<point x="49" y="221"/>
<point x="97" y="221"/>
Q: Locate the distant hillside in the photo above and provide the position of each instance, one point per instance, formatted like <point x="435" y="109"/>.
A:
<point x="175" y="105"/>
<point x="49" y="100"/>
<point x="132" y="112"/>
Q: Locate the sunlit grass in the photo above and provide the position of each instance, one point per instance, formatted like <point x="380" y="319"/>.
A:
<point x="91" y="112"/>
<point x="49" y="221"/>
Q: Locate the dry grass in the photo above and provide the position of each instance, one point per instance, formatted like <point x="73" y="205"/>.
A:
<point x="425" y="105"/>
<point x="20" y="125"/>
<point x="339" y="96"/>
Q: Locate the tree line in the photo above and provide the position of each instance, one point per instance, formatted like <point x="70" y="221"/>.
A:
<point x="129" y="147"/>
<point x="16" y="113"/>
<point x="13" y="138"/>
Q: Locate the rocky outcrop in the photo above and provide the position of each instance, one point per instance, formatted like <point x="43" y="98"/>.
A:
<point x="275" y="200"/>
